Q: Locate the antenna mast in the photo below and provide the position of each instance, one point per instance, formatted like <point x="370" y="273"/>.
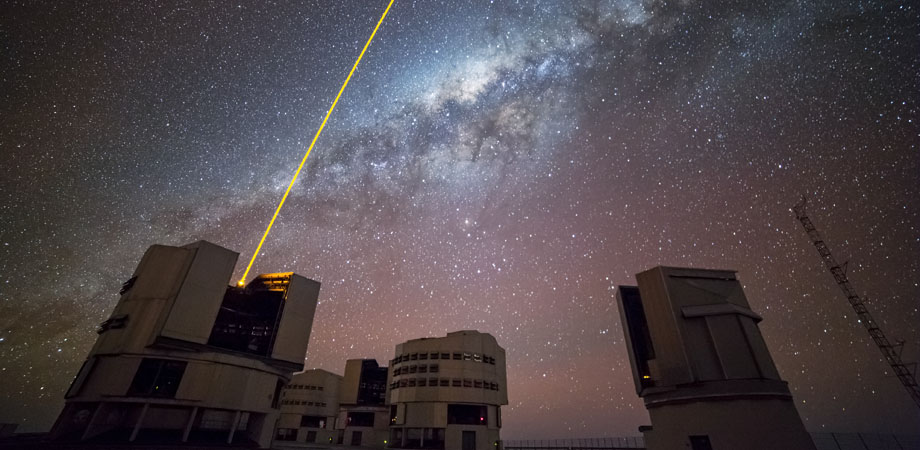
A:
<point x="891" y="352"/>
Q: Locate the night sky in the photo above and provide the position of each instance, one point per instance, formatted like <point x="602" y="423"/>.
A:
<point x="498" y="166"/>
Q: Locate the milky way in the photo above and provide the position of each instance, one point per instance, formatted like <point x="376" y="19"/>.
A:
<point x="498" y="166"/>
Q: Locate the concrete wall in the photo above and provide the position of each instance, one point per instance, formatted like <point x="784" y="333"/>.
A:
<point x="307" y="403"/>
<point x="485" y="437"/>
<point x="370" y="436"/>
<point x="762" y="424"/>
<point x="348" y="391"/>
<point x="297" y="320"/>
<point x="465" y="343"/>
<point x="191" y="312"/>
<point x="203" y="380"/>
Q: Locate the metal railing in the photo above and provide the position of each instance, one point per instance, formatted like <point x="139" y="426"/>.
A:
<point x="607" y="443"/>
<point x="823" y="441"/>
<point x="865" y="441"/>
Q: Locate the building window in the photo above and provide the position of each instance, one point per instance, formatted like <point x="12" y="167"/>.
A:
<point x="445" y="355"/>
<point x="445" y="382"/>
<point x="423" y="356"/>
<point x="159" y="378"/>
<point x="421" y="382"/>
<point x="433" y="368"/>
<point x="458" y="356"/>
<point x="456" y="383"/>
<point x="700" y="443"/>
<point x="432" y="381"/>
<point x="467" y="383"/>
<point x="312" y="421"/>
<point x="477" y="357"/>
<point x="286" y="434"/>
<point x="413" y="356"/>
<point x="413" y="369"/>
<point x="477" y="384"/>
<point x="411" y="382"/>
<point x="311" y="436"/>
<point x="403" y="383"/>
<point x="360" y="419"/>
<point x="434" y="355"/>
<point x="422" y="369"/>
<point x="467" y="357"/>
<point x="466" y="414"/>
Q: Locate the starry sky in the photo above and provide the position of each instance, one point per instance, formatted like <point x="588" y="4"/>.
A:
<point x="498" y="166"/>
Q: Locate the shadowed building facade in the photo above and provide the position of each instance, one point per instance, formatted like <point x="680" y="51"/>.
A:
<point x="702" y="367"/>
<point x="185" y="357"/>
<point x="309" y="407"/>
<point x="446" y="393"/>
<point x="363" y="414"/>
<point x="320" y="407"/>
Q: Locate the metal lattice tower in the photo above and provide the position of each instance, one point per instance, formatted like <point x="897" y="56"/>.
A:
<point x="892" y="352"/>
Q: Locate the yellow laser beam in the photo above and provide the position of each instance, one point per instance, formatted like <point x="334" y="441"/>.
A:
<point x="310" y="148"/>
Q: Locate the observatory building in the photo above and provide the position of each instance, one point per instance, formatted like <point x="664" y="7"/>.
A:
<point x="309" y="406"/>
<point x="702" y="367"/>
<point x="320" y="407"/>
<point x="363" y="413"/>
<point x="446" y="393"/>
<point x="185" y="357"/>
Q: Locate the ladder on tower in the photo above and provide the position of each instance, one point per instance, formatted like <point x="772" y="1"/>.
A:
<point x="892" y="352"/>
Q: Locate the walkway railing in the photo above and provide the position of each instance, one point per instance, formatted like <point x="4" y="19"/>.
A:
<point x="823" y="441"/>
<point x="865" y="441"/>
<point x="608" y="443"/>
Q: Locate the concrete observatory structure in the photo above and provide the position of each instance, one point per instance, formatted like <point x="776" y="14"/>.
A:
<point x="702" y="367"/>
<point x="186" y="357"/>
<point x="446" y="393"/>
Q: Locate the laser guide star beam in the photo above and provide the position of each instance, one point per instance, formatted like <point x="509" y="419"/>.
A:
<point x="312" y="143"/>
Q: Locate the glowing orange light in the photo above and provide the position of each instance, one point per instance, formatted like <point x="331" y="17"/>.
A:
<point x="646" y="376"/>
<point x="310" y="148"/>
